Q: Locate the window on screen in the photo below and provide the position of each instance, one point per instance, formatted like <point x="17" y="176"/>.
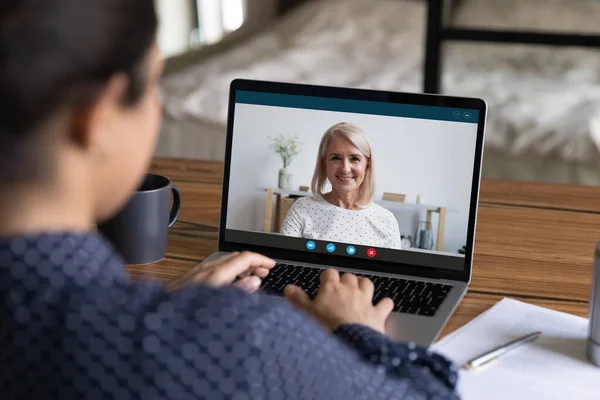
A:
<point x="370" y="180"/>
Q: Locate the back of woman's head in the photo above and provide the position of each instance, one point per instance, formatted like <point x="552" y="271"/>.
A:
<point x="57" y="54"/>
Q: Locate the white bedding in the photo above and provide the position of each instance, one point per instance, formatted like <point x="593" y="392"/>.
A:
<point x="544" y="101"/>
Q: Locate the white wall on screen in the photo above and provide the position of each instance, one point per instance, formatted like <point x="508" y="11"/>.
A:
<point x="410" y="156"/>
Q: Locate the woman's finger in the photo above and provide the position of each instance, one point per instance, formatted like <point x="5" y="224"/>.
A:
<point x="349" y="279"/>
<point x="329" y="275"/>
<point x="225" y="272"/>
<point x="198" y="272"/>
<point x="245" y="274"/>
<point x="297" y="296"/>
<point x="260" y="272"/>
<point x="250" y="284"/>
<point x="384" y="307"/>
<point x="366" y="286"/>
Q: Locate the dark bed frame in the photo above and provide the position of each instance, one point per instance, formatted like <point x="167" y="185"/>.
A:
<point x="438" y="32"/>
<point x="286" y="5"/>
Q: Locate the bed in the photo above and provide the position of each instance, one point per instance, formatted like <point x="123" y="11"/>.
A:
<point x="544" y="118"/>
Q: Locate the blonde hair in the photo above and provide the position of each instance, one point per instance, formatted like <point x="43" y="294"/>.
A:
<point x="358" y="138"/>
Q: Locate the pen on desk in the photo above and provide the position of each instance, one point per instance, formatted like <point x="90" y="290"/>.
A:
<point x="499" y="351"/>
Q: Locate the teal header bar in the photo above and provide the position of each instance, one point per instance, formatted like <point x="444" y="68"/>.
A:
<point x="358" y="106"/>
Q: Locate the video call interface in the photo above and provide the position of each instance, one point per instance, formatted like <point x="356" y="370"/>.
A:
<point x="353" y="178"/>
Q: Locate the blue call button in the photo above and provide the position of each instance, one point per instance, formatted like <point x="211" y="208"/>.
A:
<point x="310" y="245"/>
<point x="330" y="247"/>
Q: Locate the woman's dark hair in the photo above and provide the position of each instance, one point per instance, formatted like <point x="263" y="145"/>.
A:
<point x="59" y="53"/>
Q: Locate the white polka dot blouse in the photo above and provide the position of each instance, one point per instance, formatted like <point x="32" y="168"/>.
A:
<point x="315" y="218"/>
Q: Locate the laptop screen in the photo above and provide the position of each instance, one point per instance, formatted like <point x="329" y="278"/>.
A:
<point x="369" y="180"/>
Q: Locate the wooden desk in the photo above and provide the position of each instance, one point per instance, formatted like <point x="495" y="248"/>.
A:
<point x="535" y="242"/>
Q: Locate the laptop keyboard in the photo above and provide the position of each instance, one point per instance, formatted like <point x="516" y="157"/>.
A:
<point x="409" y="296"/>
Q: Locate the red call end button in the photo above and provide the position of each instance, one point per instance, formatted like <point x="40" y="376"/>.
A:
<point x="371" y="252"/>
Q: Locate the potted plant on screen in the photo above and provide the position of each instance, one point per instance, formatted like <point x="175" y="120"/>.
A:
<point x="287" y="147"/>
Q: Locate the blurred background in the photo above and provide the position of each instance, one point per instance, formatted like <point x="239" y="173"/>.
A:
<point x="544" y="99"/>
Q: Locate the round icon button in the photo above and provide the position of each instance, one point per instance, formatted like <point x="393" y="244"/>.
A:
<point x="456" y="114"/>
<point x="371" y="252"/>
<point x="310" y="245"/>
<point x="330" y="247"/>
<point x="351" y="250"/>
<point x="467" y="115"/>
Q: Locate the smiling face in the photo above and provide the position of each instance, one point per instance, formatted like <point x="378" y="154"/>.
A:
<point x="345" y="165"/>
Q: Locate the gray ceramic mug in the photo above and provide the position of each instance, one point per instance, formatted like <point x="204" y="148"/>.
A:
<point x="140" y="230"/>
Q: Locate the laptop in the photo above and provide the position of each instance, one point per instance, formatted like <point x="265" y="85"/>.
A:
<point x="420" y="179"/>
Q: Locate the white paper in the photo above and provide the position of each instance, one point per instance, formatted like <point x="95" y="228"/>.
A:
<point x="554" y="366"/>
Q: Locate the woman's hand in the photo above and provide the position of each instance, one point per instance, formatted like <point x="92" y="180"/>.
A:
<point x="249" y="267"/>
<point x="343" y="300"/>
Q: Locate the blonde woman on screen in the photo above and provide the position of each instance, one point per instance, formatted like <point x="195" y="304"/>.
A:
<point x="346" y="213"/>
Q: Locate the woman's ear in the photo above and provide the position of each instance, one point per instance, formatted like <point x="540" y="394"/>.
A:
<point x="91" y="127"/>
<point x="80" y="126"/>
<point x="81" y="137"/>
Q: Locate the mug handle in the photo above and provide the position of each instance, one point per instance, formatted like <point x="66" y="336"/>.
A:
<point x="176" y="208"/>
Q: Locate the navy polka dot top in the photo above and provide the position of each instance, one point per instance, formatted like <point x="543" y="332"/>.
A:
<point x="73" y="325"/>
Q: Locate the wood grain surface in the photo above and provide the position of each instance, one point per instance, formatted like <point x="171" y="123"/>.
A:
<point x="541" y="194"/>
<point x="535" y="241"/>
<point x="534" y="252"/>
